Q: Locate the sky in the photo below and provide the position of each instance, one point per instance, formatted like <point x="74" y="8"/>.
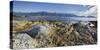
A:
<point x="22" y="6"/>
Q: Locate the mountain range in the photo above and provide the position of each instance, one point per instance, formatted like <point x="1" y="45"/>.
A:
<point x="42" y="13"/>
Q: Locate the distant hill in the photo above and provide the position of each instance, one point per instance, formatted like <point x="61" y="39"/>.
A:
<point x="44" y="14"/>
<point x="51" y="16"/>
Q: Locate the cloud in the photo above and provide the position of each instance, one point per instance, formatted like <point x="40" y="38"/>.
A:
<point x="92" y="11"/>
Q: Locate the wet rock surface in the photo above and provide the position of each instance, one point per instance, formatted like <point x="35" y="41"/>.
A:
<point x="53" y="34"/>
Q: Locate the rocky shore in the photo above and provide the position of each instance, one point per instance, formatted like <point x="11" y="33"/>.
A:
<point x="38" y="34"/>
